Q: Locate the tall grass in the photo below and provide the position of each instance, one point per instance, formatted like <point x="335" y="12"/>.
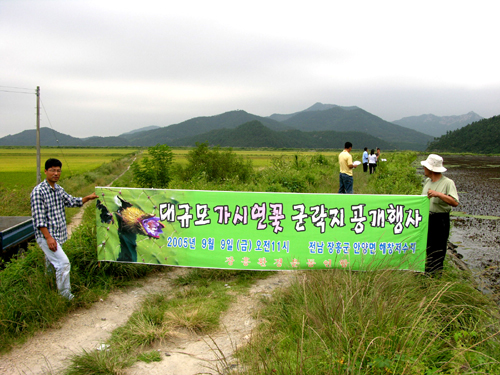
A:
<point x="298" y="173"/>
<point x="396" y="175"/>
<point x="379" y="322"/>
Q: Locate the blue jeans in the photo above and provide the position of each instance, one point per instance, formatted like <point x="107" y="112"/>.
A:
<point x="345" y="184"/>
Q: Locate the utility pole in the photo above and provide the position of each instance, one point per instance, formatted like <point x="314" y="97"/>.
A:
<point x="38" y="171"/>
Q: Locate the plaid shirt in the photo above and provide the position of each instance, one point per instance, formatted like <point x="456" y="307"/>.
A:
<point x="47" y="209"/>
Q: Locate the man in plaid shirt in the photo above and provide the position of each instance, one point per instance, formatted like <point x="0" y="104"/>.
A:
<point x="48" y="201"/>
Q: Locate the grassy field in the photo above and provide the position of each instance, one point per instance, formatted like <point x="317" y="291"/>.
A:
<point x="80" y="172"/>
<point x="18" y="164"/>
<point x="330" y="322"/>
<point x="262" y="157"/>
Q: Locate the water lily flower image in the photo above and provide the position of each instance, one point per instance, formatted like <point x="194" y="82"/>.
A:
<point x="152" y="226"/>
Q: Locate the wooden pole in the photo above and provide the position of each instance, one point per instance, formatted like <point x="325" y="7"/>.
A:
<point x="38" y="171"/>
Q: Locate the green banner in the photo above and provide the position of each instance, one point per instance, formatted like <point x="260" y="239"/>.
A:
<point x="261" y="231"/>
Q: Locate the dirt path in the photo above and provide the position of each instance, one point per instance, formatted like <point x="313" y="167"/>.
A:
<point x="86" y="329"/>
<point x="48" y="352"/>
<point x="190" y="354"/>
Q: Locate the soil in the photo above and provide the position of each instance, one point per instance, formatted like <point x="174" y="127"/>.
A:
<point x="478" y="238"/>
<point x="48" y="352"/>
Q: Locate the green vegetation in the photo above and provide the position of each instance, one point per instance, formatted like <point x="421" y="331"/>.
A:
<point x="75" y="178"/>
<point x="338" y="321"/>
<point x="154" y="170"/>
<point x="18" y="165"/>
<point x="215" y="165"/>
<point x="380" y="322"/>
<point x="395" y="176"/>
<point x="196" y="305"/>
<point x="482" y="137"/>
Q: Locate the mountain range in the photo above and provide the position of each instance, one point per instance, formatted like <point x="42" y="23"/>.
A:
<point x="437" y="126"/>
<point x="319" y="126"/>
<point x="254" y="134"/>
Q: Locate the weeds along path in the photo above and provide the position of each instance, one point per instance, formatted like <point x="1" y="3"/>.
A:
<point x="184" y="353"/>
<point x="188" y="354"/>
<point x="47" y="352"/>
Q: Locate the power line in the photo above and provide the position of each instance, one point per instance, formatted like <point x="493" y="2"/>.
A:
<point x="57" y="140"/>
<point x="19" y="92"/>
<point x="30" y="91"/>
<point x="12" y="87"/>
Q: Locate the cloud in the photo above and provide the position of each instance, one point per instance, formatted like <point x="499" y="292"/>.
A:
<point x="109" y="67"/>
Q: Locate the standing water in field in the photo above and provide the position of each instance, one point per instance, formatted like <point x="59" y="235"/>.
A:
<point x="476" y="221"/>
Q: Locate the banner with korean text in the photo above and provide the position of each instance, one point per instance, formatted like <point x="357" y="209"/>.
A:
<point x="261" y="231"/>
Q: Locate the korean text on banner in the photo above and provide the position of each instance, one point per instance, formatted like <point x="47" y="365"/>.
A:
<point x="261" y="231"/>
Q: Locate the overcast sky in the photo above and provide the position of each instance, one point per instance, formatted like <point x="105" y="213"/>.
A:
<point x="109" y="67"/>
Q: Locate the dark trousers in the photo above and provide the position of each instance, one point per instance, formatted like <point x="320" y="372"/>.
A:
<point x="365" y="167"/>
<point x="372" y="168"/>
<point x="346" y="183"/>
<point x="437" y="241"/>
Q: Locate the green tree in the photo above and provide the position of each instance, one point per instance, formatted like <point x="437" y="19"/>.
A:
<point x="216" y="165"/>
<point x="154" y="170"/>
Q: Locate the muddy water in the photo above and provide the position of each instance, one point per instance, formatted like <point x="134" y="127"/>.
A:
<point x="478" y="183"/>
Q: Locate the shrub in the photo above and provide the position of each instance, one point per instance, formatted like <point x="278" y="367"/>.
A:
<point x="216" y="165"/>
<point x="154" y="170"/>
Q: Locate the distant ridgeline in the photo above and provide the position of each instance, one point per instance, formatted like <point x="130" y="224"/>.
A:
<point x="482" y="137"/>
<point x="437" y="125"/>
<point x="320" y="126"/>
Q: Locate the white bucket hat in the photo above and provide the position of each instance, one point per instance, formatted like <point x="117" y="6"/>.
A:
<point x="434" y="163"/>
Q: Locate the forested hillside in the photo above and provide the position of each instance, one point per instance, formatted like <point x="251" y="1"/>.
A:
<point x="356" y="119"/>
<point x="479" y="137"/>
<point x="255" y="134"/>
<point x="200" y="125"/>
<point x="437" y="125"/>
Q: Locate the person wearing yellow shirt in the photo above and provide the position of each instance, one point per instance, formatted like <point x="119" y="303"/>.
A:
<point x="346" y="181"/>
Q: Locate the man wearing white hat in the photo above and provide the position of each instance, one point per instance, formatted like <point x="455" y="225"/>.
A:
<point x="443" y="195"/>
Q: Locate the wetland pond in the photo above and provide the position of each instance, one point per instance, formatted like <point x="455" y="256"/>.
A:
<point x="476" y="221"/>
